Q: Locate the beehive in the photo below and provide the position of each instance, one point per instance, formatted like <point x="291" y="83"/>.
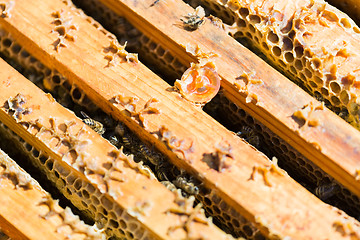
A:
<point x="65" y="52"/>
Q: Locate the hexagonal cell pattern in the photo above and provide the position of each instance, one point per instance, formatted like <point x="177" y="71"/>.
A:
<point x="318" y="69"/>
<point x="86" y="197"/>
<point x="297" y="166"/>
<point x="45" y="78"/>
<point x="153" y="54"/>
<point x="83" y="193"/>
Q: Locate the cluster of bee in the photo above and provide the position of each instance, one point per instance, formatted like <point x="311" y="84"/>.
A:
<point x="120" y="136"/>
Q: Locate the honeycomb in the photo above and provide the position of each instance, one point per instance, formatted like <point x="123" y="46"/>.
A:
<point x="10" y="169"/>
<point x="295" y="38"/>
<point x="70" y="96"/>
<point x="45" y="78"/>
<point x="298" y="167"/>
<point x="156" y="57"/>
<point x="66" y="94"/>
<point x="83" y="194"/>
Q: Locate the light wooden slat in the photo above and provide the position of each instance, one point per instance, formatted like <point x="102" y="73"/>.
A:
<point x="134" y="188"/>
<point x="22" y="212"/>
<point x="333" y="145"/>
<point x="84" y="64"/>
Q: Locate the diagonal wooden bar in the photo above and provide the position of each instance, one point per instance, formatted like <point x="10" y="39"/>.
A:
<point x="83" y="62"/>
<point x="333" y="145"/>
<point x="41" y="216"/>
<point x="88" y="163"/>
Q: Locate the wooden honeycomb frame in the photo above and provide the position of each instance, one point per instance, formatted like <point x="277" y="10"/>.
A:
<point x="241" y="167"/>
<point x="42" y="217"/>
<point x="272" y="107"/>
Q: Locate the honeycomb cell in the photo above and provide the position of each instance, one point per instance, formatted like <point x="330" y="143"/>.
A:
<point x="308" y="73"/>
<point x="241" y="23"/>
<point x="289" y="57"/>
<point x="287" y="44"/>
<point x="244" y="12"/>
<point x="276" y="51"/>
<point x="299" y="51"/>
<point x="335" y="87"/>
<point x="272" y="37"/>
<point x="254" y="19"/>
<point x="298" y="65"/>
<point x="335" y="100"/>
<point x="344" y="97"/>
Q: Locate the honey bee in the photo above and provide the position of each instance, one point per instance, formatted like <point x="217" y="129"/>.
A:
<point x="248" y="134"/>
<point x="194" y="20"/>
<point x="114" y="140"/>
<point x="189" y="187"/>
<point x="169" y="185"/>
<point x="325" y="191"/>
<point x="94" y="125"/>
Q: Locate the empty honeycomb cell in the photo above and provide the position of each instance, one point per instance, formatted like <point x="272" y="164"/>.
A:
<point x="308" y="73"/>
<point x="298" y="65"/>
<point x="335" y="100"/>
<point x="6" y="42"/>
<point x="272" y="37"/>
<point x="15" y="48"/>
<point x="254" y="19"/>
<point x="249" y="35"/>
<point x="302" y="76"/>
<point x="43" y="158"/>
<point x="313" y="84"/>
<point x="344" y="97"/>
<point x="277" y="51"/>
<point x="335" y="87"/>
<point x="289" y="57"/>
<point x="35" y="152"/>
<point x="241" y="23"/>
<point x="293" y="70"/>
<point x="287" y="44"/>
<point x="324" y="91"/>
<point x="106" y="203"/>
<point x="49" y="164"/>
<point x="75" y="93"/>
<point x="244" y="12"/>
<point x="160" y="51"/>
<point x="28" y="147"/>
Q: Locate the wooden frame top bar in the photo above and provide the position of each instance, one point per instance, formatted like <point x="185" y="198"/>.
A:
<point x="333" y="145"/>
<point x="83" y="62"/>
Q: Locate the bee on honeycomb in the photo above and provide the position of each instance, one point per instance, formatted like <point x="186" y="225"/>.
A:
<point x="249" y="135"/>
<point x="94" y="125"/>
<point x="326" y="191"/>
<point x="187" y="185"/>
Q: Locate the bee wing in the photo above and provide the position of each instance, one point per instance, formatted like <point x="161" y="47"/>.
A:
<point x="84" y="114"/>
<point x="199" y="11"/>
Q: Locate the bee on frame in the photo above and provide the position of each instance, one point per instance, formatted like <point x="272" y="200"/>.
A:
<point x="194" y="20"/>
<point x="94" y="125"/>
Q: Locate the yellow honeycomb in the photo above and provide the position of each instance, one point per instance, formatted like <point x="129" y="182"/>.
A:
<point x="296" y="39"/>
<point x="82" y="193"/>
<point x="77" y="190"/>
<point x="297" y="166"/>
